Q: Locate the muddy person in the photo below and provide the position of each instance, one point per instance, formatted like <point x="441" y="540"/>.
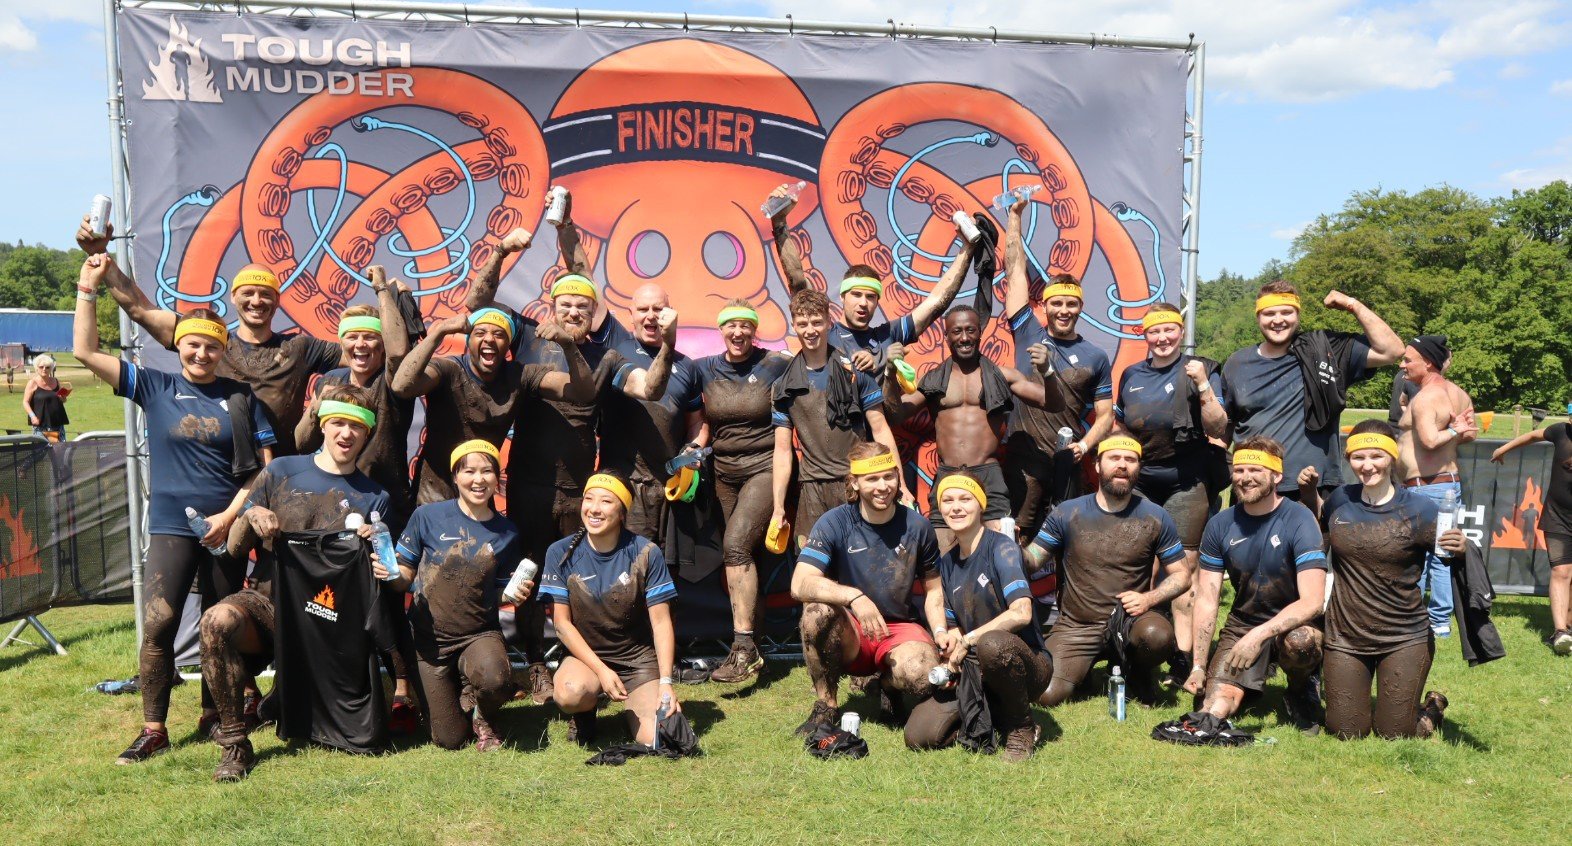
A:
<point x="1381" y="535"/>
<point x="1555" y="522"/>
<point x="301" y="493"/>
<point x="1436" y="422"/>
<point x="1040" y="471"/>
<point x="1270" y="550"/>
<point x="458" y="554"/>
<point x="1104" y="544"/>
<point x="823" y="408"/>
<point x="730" y="403"/>
<point x="854" y="577"/>
<point x="861" y="289"/>
<point x="610" y="594"/>
<point x="192" y="419"/>
<point x="972" y="398"/>
<point x="988" y="619"/>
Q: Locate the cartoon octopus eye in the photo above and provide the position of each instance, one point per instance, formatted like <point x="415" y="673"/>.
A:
<point x="723" y="255"/>
<point x="648" y="254"/>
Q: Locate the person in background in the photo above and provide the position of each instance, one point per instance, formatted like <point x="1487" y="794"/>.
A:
<point x="45" y="401"/>
<point x="1555" y="522"/>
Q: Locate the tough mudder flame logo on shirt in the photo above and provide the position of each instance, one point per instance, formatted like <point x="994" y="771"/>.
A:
<point x="321" y="605"/>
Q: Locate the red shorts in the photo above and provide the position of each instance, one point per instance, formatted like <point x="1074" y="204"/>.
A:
<point x="871" y="653"/>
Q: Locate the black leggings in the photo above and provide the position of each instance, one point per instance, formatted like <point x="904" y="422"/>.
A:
<point x="173" y="562"/>
<point x="478" y="677"/>
<point x="1014" y="675"/>
<point x="1399" y="676"/>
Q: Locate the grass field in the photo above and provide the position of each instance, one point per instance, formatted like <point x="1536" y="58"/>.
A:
<point x="1502" y="773"/>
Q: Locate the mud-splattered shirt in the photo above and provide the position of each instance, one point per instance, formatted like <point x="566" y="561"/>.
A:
<point x="824" y="446"/>
<point x="609" y="594"/>
<point x="883" y="560"/>
<point x="638" y="437"/>
<point x="190" y="443"/>
<point x="560" y="434"/>
<point x="1378" y="555"/>
<point x="1146" y="408"/>
<point x="386" y="458"/>
<point x="1105" y="553"/>
<point x="979" y="588"/>
<point x="307" y="498"/>
<point x="1083" y="370"/>
<point x="1263" y="557"/>
<point x="461" y="565"/>
<point x="736" y="400"/>
<point x="901" y="330"/>
<point x="279" y="370"/>
<point x="461" y="408"/>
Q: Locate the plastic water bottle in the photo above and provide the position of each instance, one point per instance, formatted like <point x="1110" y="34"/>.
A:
<point x="851" y="723"/>
<point x="775" y="205"/>
<point x="1019" y="192"/>
<point x="199" y="524"/>
<point x="1116" y="695"/>
<point x="525" y="572"/>
<point x="941" y="677"/>
<point x="382" y="544"/>
<point x="556" y="205"/>
<point x="661" y="713"/>
<point x="1446" y="520"/>
<point x="687" y="458"/>
<point x="968" y="227"/>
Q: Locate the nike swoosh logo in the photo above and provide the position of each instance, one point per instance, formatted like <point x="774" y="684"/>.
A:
<point x="179" y="395"/>
<point x="1237" y="541"/>
<point x="857" y="549"/>
<point x="1339" y="522"/>
<point x="1139" y="388"/>
<point x="446" y="538"/>
<point x="586" y="578"/>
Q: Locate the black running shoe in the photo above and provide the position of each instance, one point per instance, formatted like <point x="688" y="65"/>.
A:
<point x="822" y="715"/>
<point x="147" y="744"/>
<point x="1303" y="703"/>
<point x="236" y="763"/>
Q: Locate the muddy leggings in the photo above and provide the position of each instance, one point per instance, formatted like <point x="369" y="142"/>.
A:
<point x="1014" y="675"/>
<point x="1400" y="682"/>
<point x="173" y="562"/>
<point x="477" y="677"/>
<point x="747" y="504"/>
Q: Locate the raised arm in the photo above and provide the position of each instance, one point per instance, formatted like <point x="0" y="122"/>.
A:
<point x="577" y="385"/>
<point x="943" y="293"/>
<point x="159" y="323"/>
<point x="1017" y="293"/>
<point x="395" y="335"/>
<point x="650" y="384"/>
<point x="1385" y="346"/>
<point x="786" y="247"/>
<point x="1214" y="418"/>
<point x="483" y="289"/>
<point x="899" y="406"/>
<point x="416" y="377"/>
<point x="84" y="329"/>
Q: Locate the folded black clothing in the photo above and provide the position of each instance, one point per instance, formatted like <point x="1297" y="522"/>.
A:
<point x="1198" y="728"/>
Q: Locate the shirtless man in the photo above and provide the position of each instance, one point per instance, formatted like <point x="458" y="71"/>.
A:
<point x="1437" y="420"/>
<point x="972" y="398"/>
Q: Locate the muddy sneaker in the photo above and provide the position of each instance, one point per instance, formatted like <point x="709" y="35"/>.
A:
<point x="403" y="717"/>
<point x="486" y="738"/>
<point x="1178" y="671"/>
<point x="1303" y="704"/>
<point x="741" y="664"/>
<point x="147" y="744"/>
<point x="1020" y="743"/>
<point x="1561" y="643"/>
<point x="582" y="728"/>
<point x="540" y="691"/>
<point x="822" y="715"/>
<point x="237" y="762"/>
<point x="1432" y="713"/>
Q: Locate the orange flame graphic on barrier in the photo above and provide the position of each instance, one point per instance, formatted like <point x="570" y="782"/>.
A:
<point x="1526" y="512"/>
<point x="324" y="597"/>
<point x="21" y="551"/>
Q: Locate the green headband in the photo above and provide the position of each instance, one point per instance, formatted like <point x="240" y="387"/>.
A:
<point x="868" y="282"/>
<point x="359" y="323"/>
<point x="347" y="411"/>
<point x="731" y="313"/>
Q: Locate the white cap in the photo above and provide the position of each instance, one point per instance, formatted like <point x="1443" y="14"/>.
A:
<point x="354" y="520"/>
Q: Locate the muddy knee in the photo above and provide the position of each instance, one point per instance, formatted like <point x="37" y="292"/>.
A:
<point x="909" y="669"/>
<point x="818" y="620"/>
<point x="998" y="651"/>
<point x="573" y="696"/>
<point x="1299" y="650"/>
<point x="932" y="725"/>
<point x="219" y="625"/>
<point x="1152" y="638"/>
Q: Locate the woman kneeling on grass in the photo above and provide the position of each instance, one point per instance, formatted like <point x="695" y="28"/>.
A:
<point x="610" y="594"/>
<point x="462" y="552"/>
<point x="988" y="614"/>
<point x="1376" y="624"/>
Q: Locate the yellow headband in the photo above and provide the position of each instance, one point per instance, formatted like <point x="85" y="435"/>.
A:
<point x="1160" y="318"/>
<point x="612" y="484"/>
<point x="253" y="275"/>
<point x="470" y="447"/>
<point x="1062" y="289"/>
<point x="731" y="313"/>
<point x="573" y="284"/>
<point x="1370" y="440"/>
<point x="1119" y="442"/>
<point x="956" y="481"/>
<point x="492" y="317"/>
<point x="1266" y="301"/>
<point x="867" y="283"/>
<point x="347" y="411"/>
<point x="207" y="328"/>
<point x="1259" y="458"/>
<point x="875" y="464"/>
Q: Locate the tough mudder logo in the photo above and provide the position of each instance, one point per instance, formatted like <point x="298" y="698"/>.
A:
<point x="184" y="69"/>
<point x="321" y="605"/>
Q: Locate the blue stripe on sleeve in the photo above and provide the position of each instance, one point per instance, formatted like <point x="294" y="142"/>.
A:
<point x="780" y="420"/>
<point x="810" y="552"/>
<point x="1172" y="553"/>
<point x="872" y="398"/>
<point x="1045" y="539"/>
<point x="1020" y="318"/>
<point x="558" y="595"/>
<point x="621" y="377"/>
<point x="1212" y="562"/>
<point x="265" y="436"/>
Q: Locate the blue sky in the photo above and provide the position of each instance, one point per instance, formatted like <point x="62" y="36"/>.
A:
<point x="1308" y="100"/>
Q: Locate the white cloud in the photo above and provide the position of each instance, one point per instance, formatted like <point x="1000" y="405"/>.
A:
<point x="17" y="36"/>
<point x="1561" y="87"/>
<point x="14" y="35"/>
<point x="1552" y="163"/>
<point x="1289" y="233"/>
<point x="1286" y="50"/>
<point x="1513" y="70"/>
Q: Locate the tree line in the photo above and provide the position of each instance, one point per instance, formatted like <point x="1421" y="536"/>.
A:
<point x="44" y="279"/>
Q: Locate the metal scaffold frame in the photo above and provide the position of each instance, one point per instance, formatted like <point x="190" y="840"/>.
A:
<point x="394" y="10"/>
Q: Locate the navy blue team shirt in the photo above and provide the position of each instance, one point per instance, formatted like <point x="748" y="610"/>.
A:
<point x="1263" y="557"/>
<point x="882" y="560"/>
<point x="979" y="588"/>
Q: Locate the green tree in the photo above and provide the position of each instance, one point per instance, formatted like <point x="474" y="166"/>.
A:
<point x="1544" y="214"/>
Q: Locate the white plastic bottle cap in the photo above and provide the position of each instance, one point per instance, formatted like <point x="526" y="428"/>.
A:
<point x="354" y="521"/>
